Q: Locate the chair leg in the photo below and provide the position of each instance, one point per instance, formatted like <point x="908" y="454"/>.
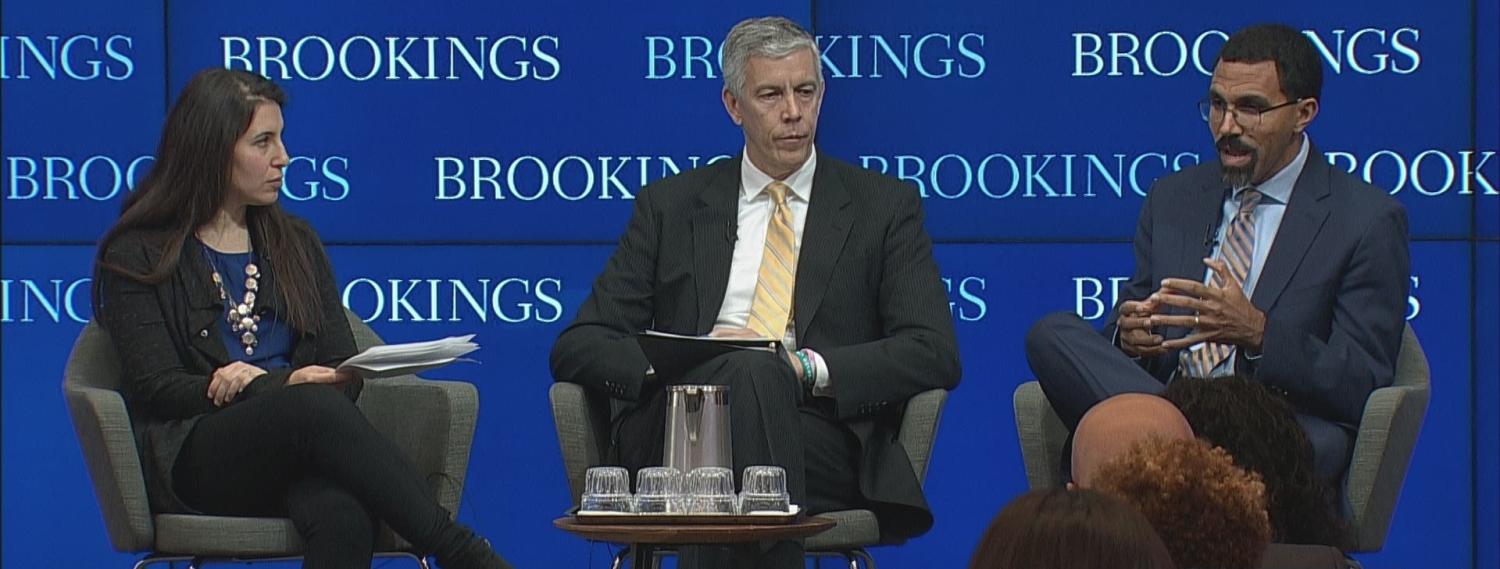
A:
<point x="619" y="560"/>
<point x="864" y="556"/>
<point x="152" y="560"/>
<point x="650" y="557"/>
<point x="421" y="561"/>
<point x="198" y="562"/>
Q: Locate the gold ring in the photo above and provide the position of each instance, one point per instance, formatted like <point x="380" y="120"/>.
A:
<point x="1195" y="320"/>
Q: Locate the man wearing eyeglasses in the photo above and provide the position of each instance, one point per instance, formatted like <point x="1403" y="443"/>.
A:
<point x="1267" y="263"/>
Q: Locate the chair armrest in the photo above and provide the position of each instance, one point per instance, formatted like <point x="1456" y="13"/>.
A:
<point x="432" y="422"/>
<point x="1382" y="451"/>
<point x="1042" y="436"/>
<point x="919" y="428"/>
<point x="576" y="433"/>
<point x="108" y="443"/>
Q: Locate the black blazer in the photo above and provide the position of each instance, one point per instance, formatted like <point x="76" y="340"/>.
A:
<point x="168" y="339"/>
<point x="1333" y="287"/>
<point x="868" y="298"/>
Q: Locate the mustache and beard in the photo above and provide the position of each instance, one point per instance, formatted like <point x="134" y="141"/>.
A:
<point x="1238" y="176"/>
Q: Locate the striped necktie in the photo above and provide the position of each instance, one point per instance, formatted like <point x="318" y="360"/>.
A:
<point x="771" y="308"/>
<point x="1237" y="251"/>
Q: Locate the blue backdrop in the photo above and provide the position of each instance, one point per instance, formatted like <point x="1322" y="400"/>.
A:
<point x="472" y="164"/>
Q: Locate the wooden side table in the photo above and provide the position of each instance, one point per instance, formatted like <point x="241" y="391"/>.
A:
<point x="644" y="539"/>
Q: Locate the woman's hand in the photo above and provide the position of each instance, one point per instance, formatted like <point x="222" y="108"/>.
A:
<point x="321" y="374"/>
<point x="228" y="381"/>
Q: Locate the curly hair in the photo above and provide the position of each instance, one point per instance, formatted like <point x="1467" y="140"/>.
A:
<point x="1070" y="529"/>
<point x="1209" y="512"/>
<point x="1260" y="431"/>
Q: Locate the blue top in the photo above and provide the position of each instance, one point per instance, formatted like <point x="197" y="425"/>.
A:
<point x="275" y="340"/>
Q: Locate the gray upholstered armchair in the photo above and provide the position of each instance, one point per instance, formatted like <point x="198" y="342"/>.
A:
<point x="432" y="421"/>
<point x="1382" y="449"/>
<point x="582" y="426"/>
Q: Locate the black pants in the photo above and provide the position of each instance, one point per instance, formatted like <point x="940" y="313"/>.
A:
<point x="1079" y="367"/>
<point x="306" y="452"/>
<point x="772" y="422"/>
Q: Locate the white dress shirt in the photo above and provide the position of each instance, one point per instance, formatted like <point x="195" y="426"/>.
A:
<point x="753" y="218"/>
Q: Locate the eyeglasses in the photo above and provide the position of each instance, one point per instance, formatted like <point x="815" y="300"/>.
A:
<point x="1212" y="111"/>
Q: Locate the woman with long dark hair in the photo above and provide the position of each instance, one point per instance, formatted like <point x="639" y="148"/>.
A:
<point x="227" y="320"/>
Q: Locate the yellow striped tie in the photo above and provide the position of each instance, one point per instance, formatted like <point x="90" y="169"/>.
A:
<point x="772" y="307"/>
<point x="1238" y="252"/>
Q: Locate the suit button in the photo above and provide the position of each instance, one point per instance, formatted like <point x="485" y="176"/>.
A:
<point x="203" y="333"/>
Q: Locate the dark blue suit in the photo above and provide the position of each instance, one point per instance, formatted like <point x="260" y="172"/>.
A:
<point x="1333" y="290"/>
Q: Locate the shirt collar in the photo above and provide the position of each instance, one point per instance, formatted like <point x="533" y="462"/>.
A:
<point x="753" y="181"/>
<point x="1278" y="188"/>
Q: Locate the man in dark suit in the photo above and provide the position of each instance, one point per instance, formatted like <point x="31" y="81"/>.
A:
<point x="779" y="242"/>
<point x="1267" y="263"/>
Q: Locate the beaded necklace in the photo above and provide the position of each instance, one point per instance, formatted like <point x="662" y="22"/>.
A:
<point x="241" y="317"/>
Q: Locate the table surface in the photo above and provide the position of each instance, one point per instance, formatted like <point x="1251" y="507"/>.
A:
<point x="694" y="533"/>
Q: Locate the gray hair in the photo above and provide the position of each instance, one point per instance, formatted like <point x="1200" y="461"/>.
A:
<point x="774" y="37"/>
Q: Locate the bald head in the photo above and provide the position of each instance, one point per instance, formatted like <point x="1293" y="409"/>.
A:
<point x="1112" y="426"/>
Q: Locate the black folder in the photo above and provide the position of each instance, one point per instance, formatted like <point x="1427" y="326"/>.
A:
<point x="672" y="355"/>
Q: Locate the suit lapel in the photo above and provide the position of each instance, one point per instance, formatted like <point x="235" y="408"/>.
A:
<point x="1205" y="210"/>
<point x="714" y="227"/>
<point x="823" y="235"/>
<point x="1306" y="212"/>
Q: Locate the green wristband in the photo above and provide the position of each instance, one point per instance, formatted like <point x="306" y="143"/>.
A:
<point x="809" y="375"/>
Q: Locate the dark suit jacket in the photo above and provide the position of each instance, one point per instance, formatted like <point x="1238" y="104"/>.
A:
<point x="168" y="339"/>
<point x="1333" y="287"/>
<point x="868" y="298"/>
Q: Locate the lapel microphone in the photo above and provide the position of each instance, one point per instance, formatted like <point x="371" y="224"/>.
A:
<point x="1211" y="233"/>
<point x="730" y="233"/>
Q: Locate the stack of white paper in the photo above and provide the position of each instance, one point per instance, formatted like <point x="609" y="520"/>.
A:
<point x="401" y="359"/>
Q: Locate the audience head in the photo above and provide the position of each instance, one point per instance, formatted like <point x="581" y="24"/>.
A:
<point x="1209" y="512"/>
<point x="1070" y="529"/>
<point x="1112" y="426"/>
<point x="1261" y="432"/>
